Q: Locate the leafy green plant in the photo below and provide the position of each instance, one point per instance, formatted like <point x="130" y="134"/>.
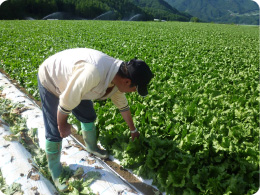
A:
<point x="79" y="184"/>
<point x="73" y="120"/>
<point x="15" y="188"/>
<point x="199" y="124"/>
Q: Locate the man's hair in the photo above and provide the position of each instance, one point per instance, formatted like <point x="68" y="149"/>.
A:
<point x="123" y="72"/>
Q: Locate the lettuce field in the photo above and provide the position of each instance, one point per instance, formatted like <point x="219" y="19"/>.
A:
<point x="200" y="123"/>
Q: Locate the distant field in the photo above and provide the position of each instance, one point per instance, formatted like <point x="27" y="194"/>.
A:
<point x="200" y="123"/>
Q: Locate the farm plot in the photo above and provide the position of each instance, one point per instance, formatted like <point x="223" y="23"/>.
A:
<point x="199" y="125"/>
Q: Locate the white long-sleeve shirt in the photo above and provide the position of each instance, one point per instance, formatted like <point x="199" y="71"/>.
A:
<point x="81" y="74"/>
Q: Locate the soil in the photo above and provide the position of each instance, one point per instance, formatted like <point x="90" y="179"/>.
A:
<point x="142" y="187"/>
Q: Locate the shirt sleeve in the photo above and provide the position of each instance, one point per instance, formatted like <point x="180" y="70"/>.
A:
<point x="120" y="101"/>
<point x="82" y="80"/>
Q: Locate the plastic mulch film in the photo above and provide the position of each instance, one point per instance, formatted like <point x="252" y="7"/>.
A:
<point x="16" y="167"/>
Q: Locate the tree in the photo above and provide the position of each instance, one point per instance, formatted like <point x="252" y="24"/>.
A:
<point x="194" y="19"/>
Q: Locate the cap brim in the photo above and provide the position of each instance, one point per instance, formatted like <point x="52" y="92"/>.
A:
<point x="142" y="90"/>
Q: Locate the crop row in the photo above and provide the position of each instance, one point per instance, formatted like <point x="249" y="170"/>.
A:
<point x="199" y="125"/>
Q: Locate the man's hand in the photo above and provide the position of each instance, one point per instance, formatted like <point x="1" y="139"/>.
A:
<point x="128" y="118"/>
<point x="65" y="130"/>
<point x="135" y="135"/>
<point x="63" y="126"/>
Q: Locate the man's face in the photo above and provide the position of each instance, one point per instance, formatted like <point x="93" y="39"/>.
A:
<point x="125" y="86"/>
<point x="131" y="89"/>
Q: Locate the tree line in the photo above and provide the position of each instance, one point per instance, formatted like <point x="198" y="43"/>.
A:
<point x="87" y="9"/>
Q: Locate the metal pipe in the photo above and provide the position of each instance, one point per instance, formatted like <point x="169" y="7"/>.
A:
<point x="106" y="166"/>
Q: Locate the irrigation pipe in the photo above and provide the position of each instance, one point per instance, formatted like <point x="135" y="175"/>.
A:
<point x="108" y="167"/>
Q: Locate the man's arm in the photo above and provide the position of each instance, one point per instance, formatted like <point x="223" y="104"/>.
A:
<point x="121" y="103"/>
<point x="128" y="119"/>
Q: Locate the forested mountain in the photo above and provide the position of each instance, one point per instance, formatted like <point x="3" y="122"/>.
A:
<point x="90" y="9"/>
<point x="161" y="9"/>
<point x="221" y="11"/>
<point x="68" y="9"/>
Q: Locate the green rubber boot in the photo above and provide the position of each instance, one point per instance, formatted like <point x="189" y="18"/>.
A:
<point x="53" y="152"/>
<point x="90" y="139"/>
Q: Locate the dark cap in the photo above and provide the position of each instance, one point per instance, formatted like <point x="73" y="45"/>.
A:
<point x="140" y="75"/>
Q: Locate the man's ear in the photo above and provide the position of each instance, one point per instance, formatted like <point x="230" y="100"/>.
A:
<point x="127" y="81"/>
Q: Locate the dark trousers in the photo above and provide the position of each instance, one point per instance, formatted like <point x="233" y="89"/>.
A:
<point x="84" y="112"/>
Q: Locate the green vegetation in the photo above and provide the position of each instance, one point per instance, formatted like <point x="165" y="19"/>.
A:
<point x="199" y="125"/>
<point x="161" y="10"/>
<point x="89" y="9"/>
<point x="4" y="188"/>
<point x="220" y="11"/>
<point x="17" y="9"/>
<point x="77" y="181"/>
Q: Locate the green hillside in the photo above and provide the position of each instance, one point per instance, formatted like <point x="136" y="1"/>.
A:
<point x="221" y="11"/>
<point x="161" y="10"/>
<point x="90" y="9"/>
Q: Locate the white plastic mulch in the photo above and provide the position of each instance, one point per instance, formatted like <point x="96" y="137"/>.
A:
<point x="16" y="165"/>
